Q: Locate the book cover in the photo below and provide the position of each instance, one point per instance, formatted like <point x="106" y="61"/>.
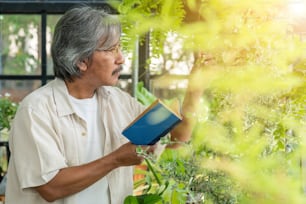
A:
<point x="155" y="122"/>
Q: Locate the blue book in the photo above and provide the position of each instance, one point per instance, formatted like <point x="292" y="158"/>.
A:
<point x="152" y="124"/>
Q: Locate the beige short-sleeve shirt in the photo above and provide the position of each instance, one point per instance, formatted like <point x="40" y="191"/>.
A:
<point x="48" y="135"/>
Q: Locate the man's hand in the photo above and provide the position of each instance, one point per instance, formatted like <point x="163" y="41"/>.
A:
<point x="127" y="155"/>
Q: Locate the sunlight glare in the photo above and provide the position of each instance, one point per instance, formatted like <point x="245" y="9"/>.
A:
<point x="297" y="9"/>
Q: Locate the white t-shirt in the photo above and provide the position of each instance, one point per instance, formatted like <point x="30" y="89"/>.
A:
<point x="88" y="110"/>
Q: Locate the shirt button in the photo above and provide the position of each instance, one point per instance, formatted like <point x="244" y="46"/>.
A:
<point x="83" y="133"/>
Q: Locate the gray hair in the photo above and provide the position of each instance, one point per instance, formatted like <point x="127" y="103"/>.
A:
<point x="77" y="34"/>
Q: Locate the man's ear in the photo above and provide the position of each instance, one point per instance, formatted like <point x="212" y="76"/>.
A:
<point x="83" y="65"/>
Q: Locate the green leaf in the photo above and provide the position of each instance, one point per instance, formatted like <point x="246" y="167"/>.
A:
<point x="143" y="95"/>
<point x="131" y="200"/>
<point x="178" y="198"/>
<point x="151" y="198"/>
<point x="143" y="199"/>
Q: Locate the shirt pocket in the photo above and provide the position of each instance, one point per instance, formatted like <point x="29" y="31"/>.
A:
<point x="74" y="136"/>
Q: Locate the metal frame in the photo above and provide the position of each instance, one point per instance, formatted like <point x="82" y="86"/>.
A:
<point x="48" y="7"/>
<point x="144" y="54"/>
<point x="43" y="8"/>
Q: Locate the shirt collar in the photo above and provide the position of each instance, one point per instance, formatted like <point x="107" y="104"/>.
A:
<point x="61" y="98"/>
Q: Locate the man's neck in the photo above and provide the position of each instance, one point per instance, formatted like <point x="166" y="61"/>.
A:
<point x="80" y="90"/>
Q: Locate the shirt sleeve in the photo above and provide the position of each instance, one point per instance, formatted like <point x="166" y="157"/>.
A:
<point x="35" y="147"/>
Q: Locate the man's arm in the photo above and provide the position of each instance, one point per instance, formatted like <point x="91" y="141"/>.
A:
<point x="71" y="180"/>
<point x="194" y="92"/>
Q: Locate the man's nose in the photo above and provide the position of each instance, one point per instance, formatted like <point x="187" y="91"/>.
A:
<point x="120" y="58"/>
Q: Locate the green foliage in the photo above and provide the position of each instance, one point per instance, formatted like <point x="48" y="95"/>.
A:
<point x="143" y="199"/>
<point x="21" y="42"/>
<point x="250" y="135"/>
<point x="143" y="95"/>
<point x="7" y="109"/>
<point x="17" y="31"/>
<point x="164" y="17"/>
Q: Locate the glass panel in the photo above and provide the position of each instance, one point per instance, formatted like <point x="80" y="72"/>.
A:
<point x="174" y="59"/>
<point x="126" y="85"/>
<point x="169" y="87"/>
<point x="128" y="65"/>
<point x="18" y="89"/>
<point x="20" y="45"/>
<point x="51" y="22"/>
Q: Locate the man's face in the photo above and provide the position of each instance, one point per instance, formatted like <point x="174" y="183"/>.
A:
<point x="105" y="66"/>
